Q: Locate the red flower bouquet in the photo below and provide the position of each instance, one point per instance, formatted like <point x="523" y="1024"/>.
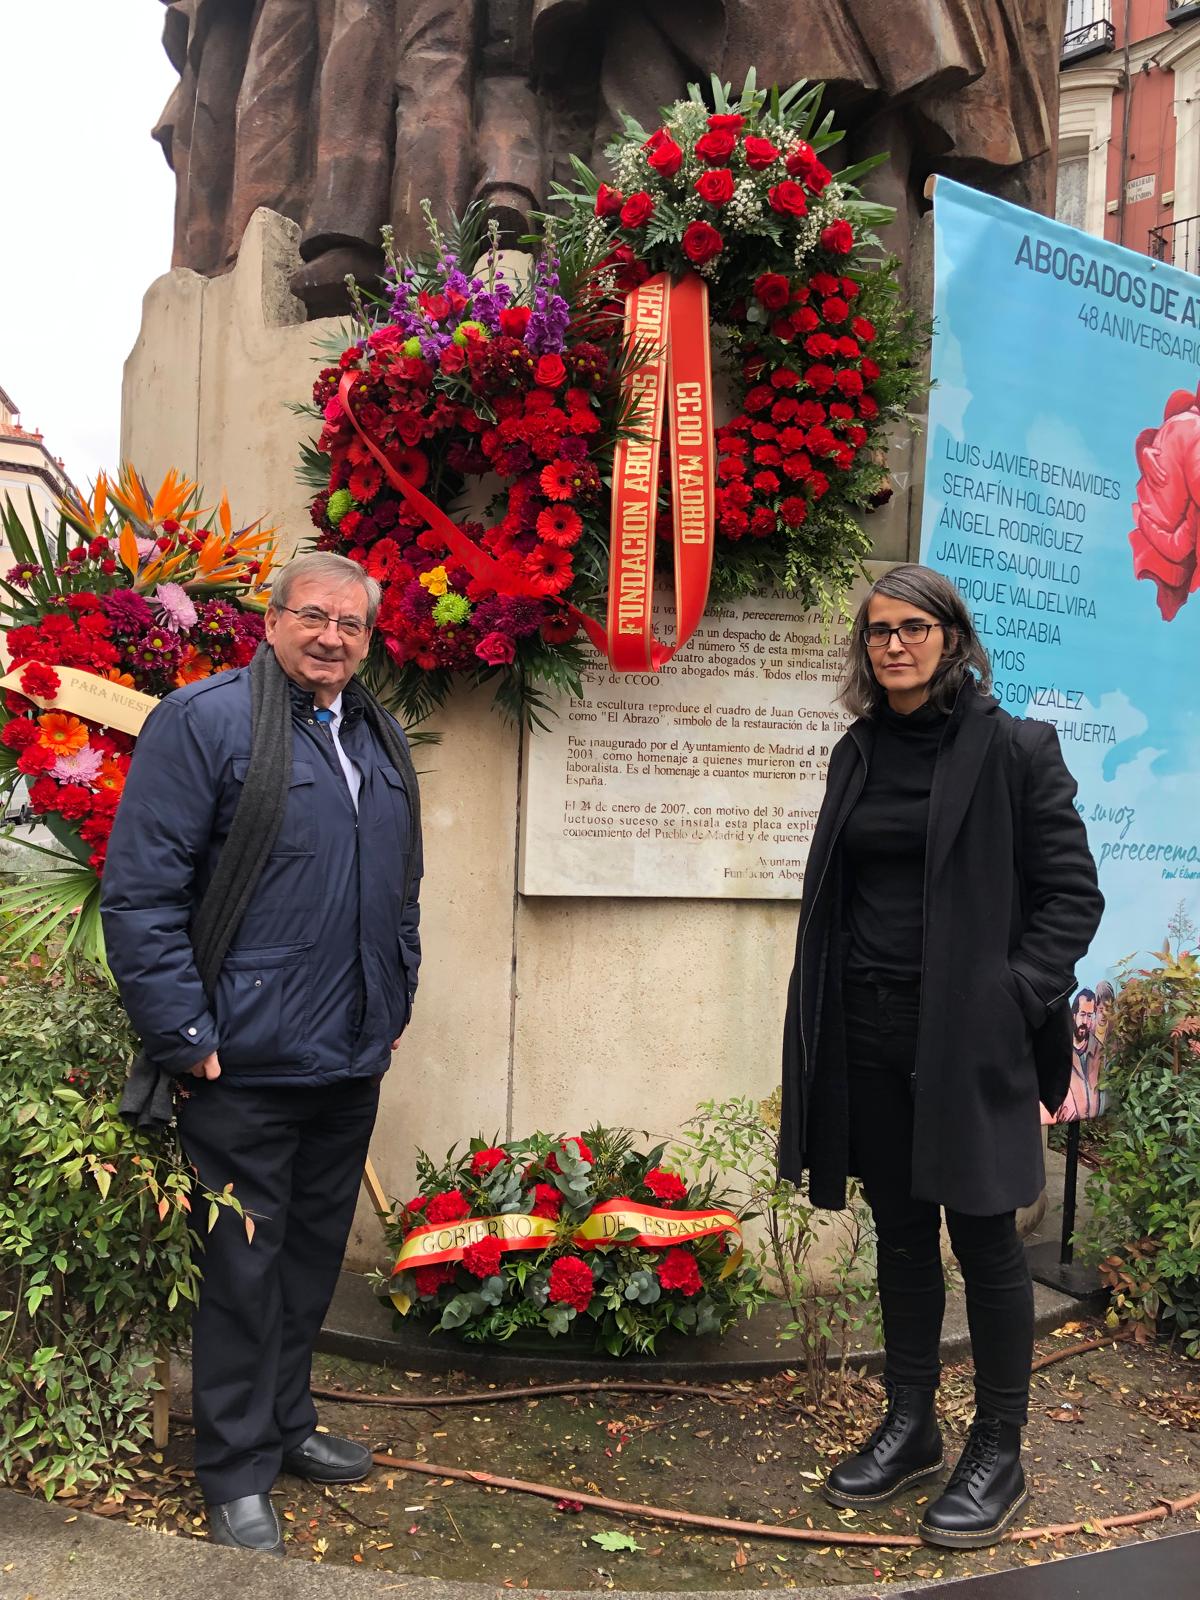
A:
<point x="583" y="1237"/>
<point x="135" y="590"/>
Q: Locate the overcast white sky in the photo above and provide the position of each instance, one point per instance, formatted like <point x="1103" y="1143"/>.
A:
<point x="86" y="204"/>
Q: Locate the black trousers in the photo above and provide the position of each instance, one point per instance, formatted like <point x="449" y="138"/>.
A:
<point x="881" y="1038"/>
<point x="295" y="1158"/>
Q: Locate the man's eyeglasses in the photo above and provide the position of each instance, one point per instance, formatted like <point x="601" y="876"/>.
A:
<point x="316" y="620"/>
<point x="877" y="635"/>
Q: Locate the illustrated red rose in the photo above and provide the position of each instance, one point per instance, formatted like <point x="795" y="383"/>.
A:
<point x="701" y="242"/>
<point x="483" y="1258"/>
<point x="40" y="680"/>
<point x="608" y="203"/>
<point x="665" y="156"/>
<point x="1166" y="533"/>
<point x="571" y="1282"/>
<point x="715" y="187"/>
<point x="678" y="1270"/>
<point x="759" y="152"/>
<point x="787" y="198"/>
<point x="449" y="1206"/>
<point x="547" y="1201"/>
<point x="637" y="210"/>
<point x="716" y="146"/>
<point x="550" y="372"/>
<point x="838" y="238"/>
<point x="484" y="1161"/>
<point x="772" y="290"/>
<point x="665" y="1185"/>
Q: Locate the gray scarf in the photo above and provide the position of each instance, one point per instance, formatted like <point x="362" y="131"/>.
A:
<point x="147" y="1101"/>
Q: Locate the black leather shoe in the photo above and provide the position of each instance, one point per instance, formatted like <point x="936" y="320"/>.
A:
<point x="985" y="1491"/>
<point x="325" y="1458"/>
<point x="905" y="1448"/>
<point x="246" y="1524"/>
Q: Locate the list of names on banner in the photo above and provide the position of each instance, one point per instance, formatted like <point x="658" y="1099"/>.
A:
<point x="703" y="779"/>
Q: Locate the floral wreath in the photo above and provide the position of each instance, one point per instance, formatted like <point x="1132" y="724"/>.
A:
<point x="134" y="595"/>
<point x="465" y="381"/>
<point x="583" y="1236"/>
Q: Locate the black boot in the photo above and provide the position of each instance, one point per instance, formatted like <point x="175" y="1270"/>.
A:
<point x="905" y="1448"/>
<point x="985" y="1491"/>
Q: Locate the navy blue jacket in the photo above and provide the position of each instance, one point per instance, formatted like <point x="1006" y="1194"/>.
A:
<point x="321" y="974"/>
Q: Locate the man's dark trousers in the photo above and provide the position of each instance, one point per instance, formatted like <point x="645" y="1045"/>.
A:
<point x="295" y="1159"/>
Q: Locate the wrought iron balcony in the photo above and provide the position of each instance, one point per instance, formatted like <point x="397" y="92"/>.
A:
<point x="1089" y="30"/>
<point x="1178" y="243"/>
<point x="1181" y="12"/>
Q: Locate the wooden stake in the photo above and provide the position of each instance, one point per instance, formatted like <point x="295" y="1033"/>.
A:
<point x="379" y="1200"/>
<point x="161" y="1411"/>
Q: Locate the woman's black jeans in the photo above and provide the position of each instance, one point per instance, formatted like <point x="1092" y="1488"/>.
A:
<point x="881" y="1039"/>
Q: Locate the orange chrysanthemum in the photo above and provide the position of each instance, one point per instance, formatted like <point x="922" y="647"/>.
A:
<point x="115" y="675"/>
<point x="61" y="733"/>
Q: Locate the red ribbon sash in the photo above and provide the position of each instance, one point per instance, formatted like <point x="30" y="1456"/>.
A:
<point x="671" y="320"/>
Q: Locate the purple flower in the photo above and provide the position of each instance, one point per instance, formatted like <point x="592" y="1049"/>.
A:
<point x="178" y="610"/>
<point x="551" y="314"/>
<point x="514" y="615"/>
<point x="81" y="766"/>
<point x="127" y="610"/>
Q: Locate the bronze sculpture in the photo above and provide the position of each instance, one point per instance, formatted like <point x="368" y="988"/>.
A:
<point x="344" y="114"/>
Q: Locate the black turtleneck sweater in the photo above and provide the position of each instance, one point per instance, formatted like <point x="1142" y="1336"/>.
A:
<point x="884" y="842"/>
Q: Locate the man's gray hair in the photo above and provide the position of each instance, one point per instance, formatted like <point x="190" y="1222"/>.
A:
<point x="333" y="569"/>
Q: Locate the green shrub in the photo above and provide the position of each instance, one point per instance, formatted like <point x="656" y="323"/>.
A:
<point x="96" y="1269"/>
<point x="820" y="1262"/>
<point x="1145" y="1226"/>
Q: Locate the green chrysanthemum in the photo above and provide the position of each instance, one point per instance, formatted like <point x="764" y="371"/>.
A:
<point x="468" y="330"/>
<point x="340" y="501"/>
<point x="451" y="609"/>
<point x="412" y="347"/>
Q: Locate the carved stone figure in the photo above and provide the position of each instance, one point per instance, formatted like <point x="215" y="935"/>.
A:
<point x="344" y="114"/>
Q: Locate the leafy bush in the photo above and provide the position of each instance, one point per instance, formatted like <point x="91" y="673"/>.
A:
<point x="1145" y="1224"/>
<point x="95" y="1265"/>
<point x="820" y="1262"/>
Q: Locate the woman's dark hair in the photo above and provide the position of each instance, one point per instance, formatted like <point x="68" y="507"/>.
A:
<point x="965" y="659"/>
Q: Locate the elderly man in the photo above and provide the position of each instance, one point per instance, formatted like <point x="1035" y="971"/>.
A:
<point x="260" y="911"/>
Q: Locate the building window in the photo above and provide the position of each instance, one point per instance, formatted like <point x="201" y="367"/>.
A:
<point x="1070" y="203"/>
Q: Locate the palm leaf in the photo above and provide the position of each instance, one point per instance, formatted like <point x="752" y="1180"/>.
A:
<point x="39" y="908"/>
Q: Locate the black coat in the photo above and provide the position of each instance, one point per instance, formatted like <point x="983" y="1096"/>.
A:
<point x="1006" y="919"/>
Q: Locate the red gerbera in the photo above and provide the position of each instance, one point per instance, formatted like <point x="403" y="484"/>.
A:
<point x="483" y="1258"/>
<point x="559" y="525"/>
<point x="665" y="1185"/>
<point x="559" y="480"/>
<point x="549" y="568"/>
<point x="678" y="1270"/>
<point x="571" y="1282"/>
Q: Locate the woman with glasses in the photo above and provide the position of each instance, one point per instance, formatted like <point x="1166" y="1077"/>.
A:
<point x="948" y="894"/>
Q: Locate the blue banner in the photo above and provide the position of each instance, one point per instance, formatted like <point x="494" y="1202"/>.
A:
<point x="1062" y="496"/>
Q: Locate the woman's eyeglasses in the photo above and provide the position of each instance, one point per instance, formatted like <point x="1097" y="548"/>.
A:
<point x="877" y="635"/>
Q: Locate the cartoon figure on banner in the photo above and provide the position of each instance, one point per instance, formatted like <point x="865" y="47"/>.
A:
<point x="1091" y="1013"/>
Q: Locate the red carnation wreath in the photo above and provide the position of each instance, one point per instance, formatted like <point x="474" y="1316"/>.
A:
<point x="503" y="403"/>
